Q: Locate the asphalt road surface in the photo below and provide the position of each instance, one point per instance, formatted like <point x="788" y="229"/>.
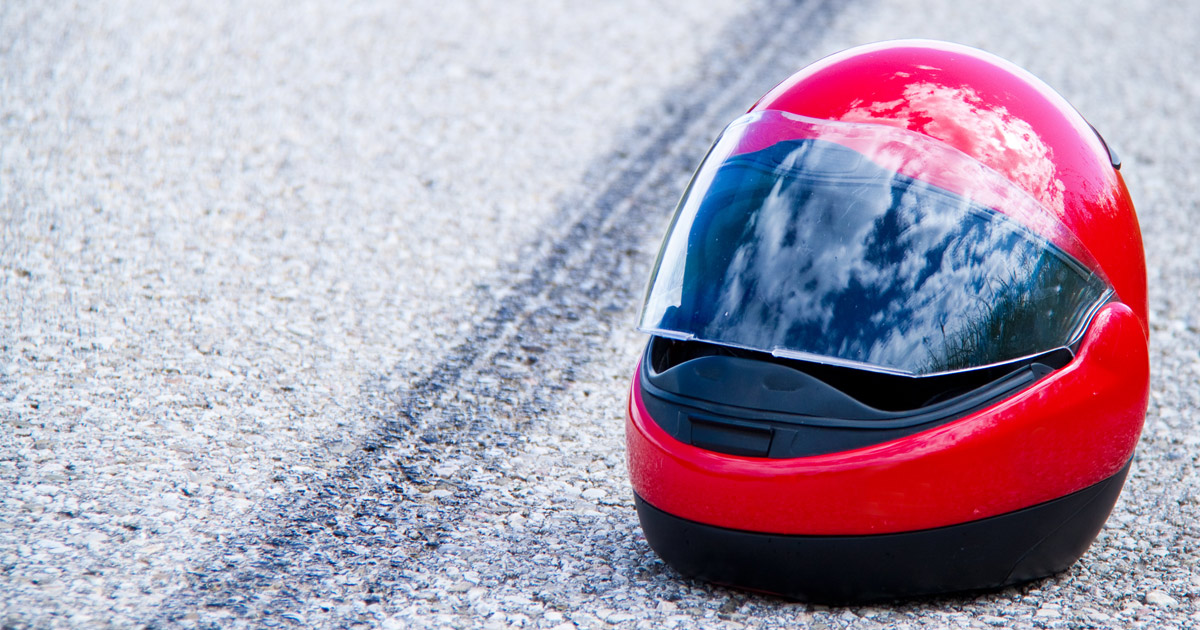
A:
<point x="320" y="314"/>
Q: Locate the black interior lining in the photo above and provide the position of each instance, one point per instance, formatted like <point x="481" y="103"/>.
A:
<point x="886" y="392"/>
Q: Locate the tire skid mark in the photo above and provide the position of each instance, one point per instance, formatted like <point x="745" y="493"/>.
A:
<point x="586" y="274"/>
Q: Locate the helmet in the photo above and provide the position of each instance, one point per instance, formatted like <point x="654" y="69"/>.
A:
<point x="898" y="336"/>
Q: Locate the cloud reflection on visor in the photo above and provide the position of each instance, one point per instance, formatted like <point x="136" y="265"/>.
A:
<point x="808" y="248"/>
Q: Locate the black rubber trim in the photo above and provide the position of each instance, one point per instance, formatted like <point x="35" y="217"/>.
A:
<point x="1113" y="158"/>
<point x="987" y="554"/>
<point x="755" y="408"/>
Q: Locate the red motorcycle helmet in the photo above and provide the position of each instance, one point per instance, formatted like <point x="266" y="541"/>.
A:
<point x="898" y="336"/>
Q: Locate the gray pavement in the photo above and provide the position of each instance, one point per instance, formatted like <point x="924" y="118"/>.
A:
<point x="320" y="315"/>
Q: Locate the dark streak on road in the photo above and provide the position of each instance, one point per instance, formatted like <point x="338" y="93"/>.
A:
<point x="513" y="366"/>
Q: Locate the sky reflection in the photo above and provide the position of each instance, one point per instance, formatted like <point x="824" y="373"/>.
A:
<point x="809" y="247"/>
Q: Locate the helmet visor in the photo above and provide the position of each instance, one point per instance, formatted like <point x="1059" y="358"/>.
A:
<point x="868" y="246"/>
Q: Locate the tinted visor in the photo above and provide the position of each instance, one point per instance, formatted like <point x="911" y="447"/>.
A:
<point x="868" y="246"/>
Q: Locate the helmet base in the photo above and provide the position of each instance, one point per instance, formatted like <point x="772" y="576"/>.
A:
<point x="986" y="554"/>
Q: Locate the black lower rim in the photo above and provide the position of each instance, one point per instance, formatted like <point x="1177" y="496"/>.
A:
<point x="990" y="553"/>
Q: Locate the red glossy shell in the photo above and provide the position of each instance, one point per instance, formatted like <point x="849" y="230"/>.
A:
<point x="1072" y="429"/>
<point x="997" y="113"/>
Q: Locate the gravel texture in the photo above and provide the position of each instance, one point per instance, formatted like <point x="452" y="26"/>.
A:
<point x="248" y="376"/>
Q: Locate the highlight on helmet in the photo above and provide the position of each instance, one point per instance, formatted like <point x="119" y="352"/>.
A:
<point x="897" y="336"/>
